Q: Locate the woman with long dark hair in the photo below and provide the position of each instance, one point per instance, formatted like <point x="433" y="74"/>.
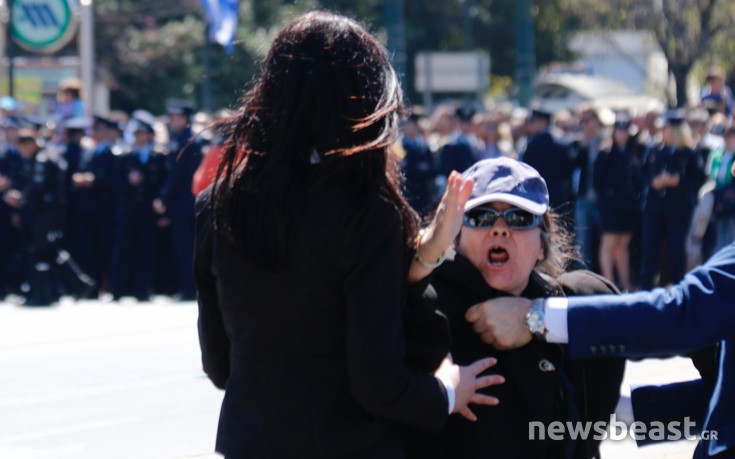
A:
<point x="304" y="244"/>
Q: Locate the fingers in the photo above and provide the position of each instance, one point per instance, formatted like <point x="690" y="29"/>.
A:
<point x="482" y="365"/>
<point x="468" y="414"/>
<point x="489" y="380"/>
<point x="482" y="399"/>
<point x="465" y="192"/>
<point x="473" y="313"/>
<point x="488" y="337"/>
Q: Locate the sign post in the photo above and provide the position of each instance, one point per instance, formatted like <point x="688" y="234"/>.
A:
<point x="467" y="72"/>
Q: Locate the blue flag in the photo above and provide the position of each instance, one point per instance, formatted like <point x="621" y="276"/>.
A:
<point x="222" y="15"/>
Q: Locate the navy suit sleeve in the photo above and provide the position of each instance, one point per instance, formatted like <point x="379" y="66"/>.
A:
<point x="698" y="311"/>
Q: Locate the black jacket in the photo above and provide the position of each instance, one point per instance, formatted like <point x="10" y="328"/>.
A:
<point x="542" y="384"/>
<point x="551" y="160"/>
<point x="312" y="356"/>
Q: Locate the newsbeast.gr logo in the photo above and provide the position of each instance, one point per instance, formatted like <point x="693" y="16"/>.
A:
<point x="618" y="430"/>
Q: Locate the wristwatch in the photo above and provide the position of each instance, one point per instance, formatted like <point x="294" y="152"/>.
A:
<point x="536" y="320"/>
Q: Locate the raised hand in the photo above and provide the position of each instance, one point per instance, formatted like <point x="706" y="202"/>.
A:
<point x="444" y="228"/>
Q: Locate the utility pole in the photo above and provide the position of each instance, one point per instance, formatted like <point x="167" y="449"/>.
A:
<point x="86" y="52"/>
<point x="207" y="64"/>
<point x="394" y="12"/>
<point x="525" y="52"/>
<point x="467" y="25"/>
<point x="10" y="49"/>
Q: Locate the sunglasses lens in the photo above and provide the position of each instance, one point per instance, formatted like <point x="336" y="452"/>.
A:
<point x="519" y="219"/>
<point x="480" y="218"/>
<point x="514" y="218"/>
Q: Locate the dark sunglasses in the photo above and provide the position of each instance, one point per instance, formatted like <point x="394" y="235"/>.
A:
<point x="486" y="217"/>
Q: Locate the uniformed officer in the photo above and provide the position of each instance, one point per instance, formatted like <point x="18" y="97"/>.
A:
<point x="176" y="201"/>
<point x="673" y="173"/>
<point x="139" y="176"/>
<point x="462" y="149"/>
<point x="92" y="203"/>
<point x="42" y="200"/>
<point x="549" y="157"/>
<point x="11" y="247"/>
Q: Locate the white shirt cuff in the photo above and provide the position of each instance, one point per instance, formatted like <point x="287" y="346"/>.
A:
<point x="555" y="315"/>
<point x="450" y="394"/>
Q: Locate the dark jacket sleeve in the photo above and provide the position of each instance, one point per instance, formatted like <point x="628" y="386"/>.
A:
<point x="694" y="313"/>
<point x="213" y="340"/>
<point x="379" y="378"/>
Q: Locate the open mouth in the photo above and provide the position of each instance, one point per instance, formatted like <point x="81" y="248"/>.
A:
<point x="497" y="256"/>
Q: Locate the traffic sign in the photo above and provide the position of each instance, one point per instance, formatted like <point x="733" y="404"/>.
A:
<point x="43" y="26"/>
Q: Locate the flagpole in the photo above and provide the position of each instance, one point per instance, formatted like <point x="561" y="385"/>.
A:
<point x="10" y="50"/>
<point x="207" y="64"/>
<point x="86" y="53"/>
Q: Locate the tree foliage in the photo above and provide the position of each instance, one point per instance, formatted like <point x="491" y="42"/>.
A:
<point x="153" y="50"/>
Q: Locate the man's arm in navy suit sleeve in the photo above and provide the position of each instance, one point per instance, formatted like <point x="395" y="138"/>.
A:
<point x="698" y="311"/>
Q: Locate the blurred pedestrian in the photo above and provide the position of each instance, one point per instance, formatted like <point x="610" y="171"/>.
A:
<point x="584" y="151"/>
<point x="175" y="201"/>
<point x="549" y="158"/>
<point x="672" y="173"/>
<point x="495" y="139"/>
<point x="69" y="104"/>
<point x="12" y="264"/>
<point x="42" y="201"/>
<point x="462" y="148"/>
<point x="716" y="94"/>
<point x="619" y="186"/>
<point x="92" y="204"/>
<point x="720" y="163"/>
<point x="418" y="167"/>
<point x="140" y="172"/>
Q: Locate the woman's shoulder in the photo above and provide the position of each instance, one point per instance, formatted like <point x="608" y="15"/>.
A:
<point x="583" y="282"/>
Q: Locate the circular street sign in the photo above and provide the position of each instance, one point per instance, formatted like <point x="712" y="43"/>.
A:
<point x="42" y="26"/>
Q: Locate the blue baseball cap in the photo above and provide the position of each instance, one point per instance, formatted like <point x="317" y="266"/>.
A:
<point x="510" y="181"/>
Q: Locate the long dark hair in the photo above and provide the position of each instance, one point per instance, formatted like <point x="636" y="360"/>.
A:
<point x="327" y="103"/>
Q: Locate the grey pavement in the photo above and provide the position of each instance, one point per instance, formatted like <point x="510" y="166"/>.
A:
<point x="108" y="380"/>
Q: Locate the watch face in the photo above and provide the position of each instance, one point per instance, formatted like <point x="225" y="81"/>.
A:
<point x="535" y="324"/>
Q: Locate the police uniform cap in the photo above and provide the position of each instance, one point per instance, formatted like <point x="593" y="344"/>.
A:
<point x="10" y="122"/>
<point x="622" y="121"/>
<point x="541" y="113"/>
<point x="464" y="113"/>
<point x="674" y="117"/>
<point x="77" y="124"/>
<point x="99" y="120"/>
<point x="138" y="125"/>
<point x="180" y="107"/>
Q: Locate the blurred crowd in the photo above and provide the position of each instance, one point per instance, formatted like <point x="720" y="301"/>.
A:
<point x="97" y="206"/>
<point x="648" y="195"/>
<point x="103" y="206"/>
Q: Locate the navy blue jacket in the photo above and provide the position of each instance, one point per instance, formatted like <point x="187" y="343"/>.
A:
<point x="99" y="198"/>
<point x="184" y="157"/>
<point x="551" y="160"/>
<point x="697" y="312"/>
<point x="682" y="161"/>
